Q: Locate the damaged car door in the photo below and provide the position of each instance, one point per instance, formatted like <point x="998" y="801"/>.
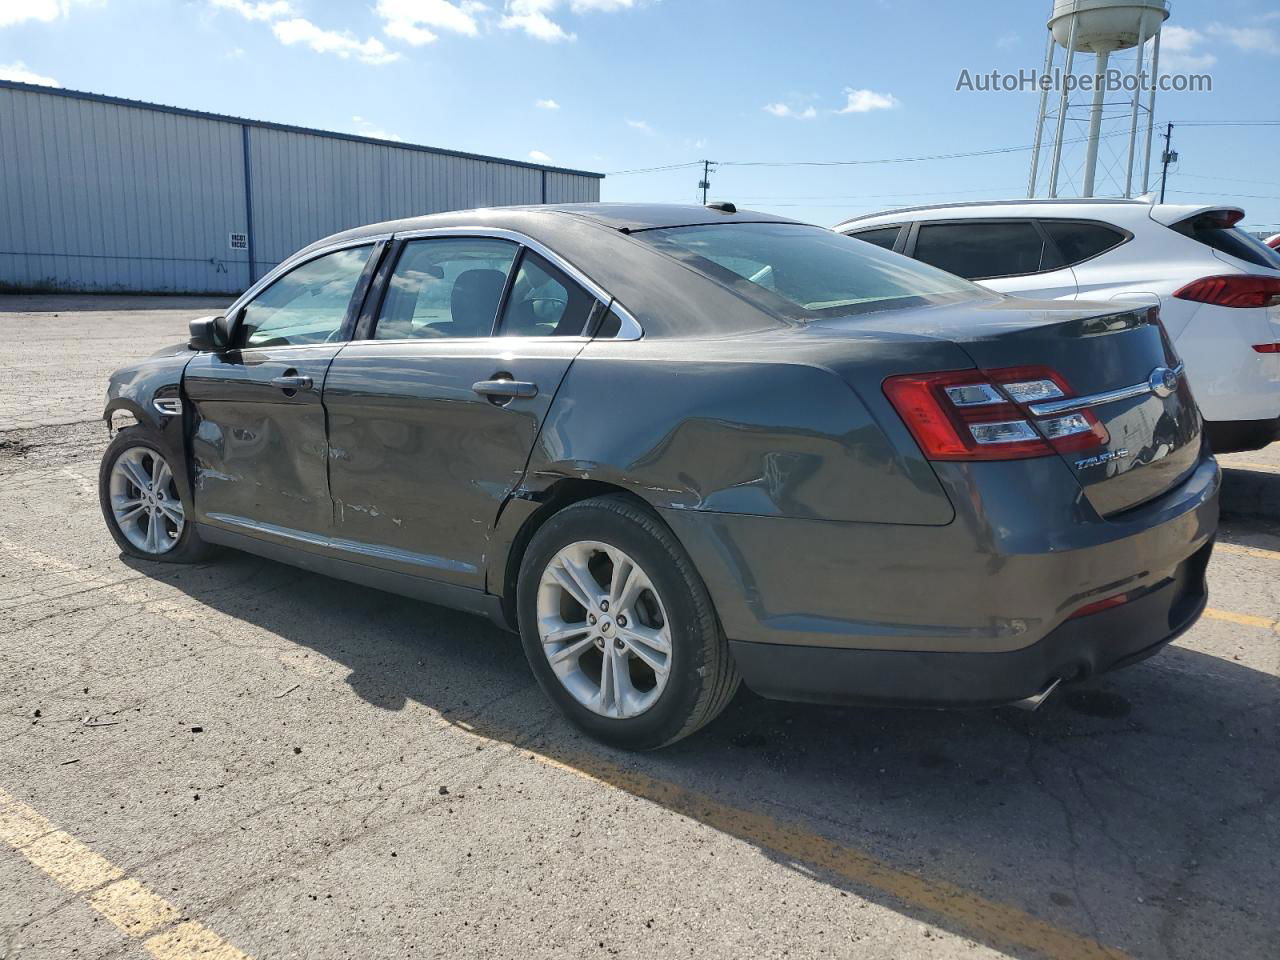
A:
<point x="434" y="410"/>
<point x="258" y="444"/>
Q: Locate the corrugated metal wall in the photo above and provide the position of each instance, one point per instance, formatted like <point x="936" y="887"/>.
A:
<point x="98" y="194"/>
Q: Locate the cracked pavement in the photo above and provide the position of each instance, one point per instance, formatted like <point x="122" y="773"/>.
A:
<point x="313" y="769"/>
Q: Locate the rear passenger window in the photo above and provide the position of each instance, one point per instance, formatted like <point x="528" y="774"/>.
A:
<point x="445" y="287"/>
<point x="881" y="236"/>
<point x="1078" y="241"/>
<point x="544" y="302"/>
<point x="980" y="251"/>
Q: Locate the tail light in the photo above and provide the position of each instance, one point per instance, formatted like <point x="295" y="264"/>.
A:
<point x="982" y="415"/>
<point x="1233" y="290"/>
<point x="1099" y="605"/>
<point x="1267" y="347"/>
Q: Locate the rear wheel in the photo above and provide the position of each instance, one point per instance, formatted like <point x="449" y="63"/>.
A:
<point x="140" y="501"/>
<point x="618" y="626"/>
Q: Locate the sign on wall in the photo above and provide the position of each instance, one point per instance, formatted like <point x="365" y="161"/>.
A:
<point x="238" y="241"/>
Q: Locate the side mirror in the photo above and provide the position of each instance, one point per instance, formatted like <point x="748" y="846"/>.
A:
<point x="209" y="334"/>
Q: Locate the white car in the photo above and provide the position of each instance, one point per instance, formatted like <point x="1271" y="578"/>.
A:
<point x="1217" y="287"/>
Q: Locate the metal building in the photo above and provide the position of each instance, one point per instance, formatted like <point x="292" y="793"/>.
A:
<point x="104" y="194"/>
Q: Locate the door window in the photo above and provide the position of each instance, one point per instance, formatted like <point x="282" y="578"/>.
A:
<point x="881" y="236"/>
<point x="308" y="304"/>
<point x="980" y="251"/>
<point x="445" y="287"/>
<point x="544" y="302"/>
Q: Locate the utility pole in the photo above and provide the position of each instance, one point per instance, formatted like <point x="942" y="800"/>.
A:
<point x="1170" y="156"/>
<point x="705" y="183"/>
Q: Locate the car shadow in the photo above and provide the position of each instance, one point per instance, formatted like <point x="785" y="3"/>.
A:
<point x="1137" y="811"/>
<point x="1249" y="493"/>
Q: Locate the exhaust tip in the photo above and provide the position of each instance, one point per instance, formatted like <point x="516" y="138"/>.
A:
<point x="1032" y="703"/>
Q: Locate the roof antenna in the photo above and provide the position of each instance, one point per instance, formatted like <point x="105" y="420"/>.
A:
<point x="723" y="206"/>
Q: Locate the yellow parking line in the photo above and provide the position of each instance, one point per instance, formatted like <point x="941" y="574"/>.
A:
<point x="128" y="903"/>
<point x="1262" y="553"/>
<point x="995" y="923"/>
<point x="1243" y="619"/>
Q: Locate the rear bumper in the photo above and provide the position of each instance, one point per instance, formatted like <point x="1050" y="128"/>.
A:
<point x="1237" y="436"/>
<point x="1076" y="649"/>
<point x="973" y="612"/>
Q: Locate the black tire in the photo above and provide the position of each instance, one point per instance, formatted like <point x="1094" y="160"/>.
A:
<point x="702" y="678"/>
<point x="189" y="548"/>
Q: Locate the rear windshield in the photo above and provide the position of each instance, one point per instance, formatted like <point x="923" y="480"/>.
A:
<point x="792" y="266"/>
<point x="1230" y="240"/>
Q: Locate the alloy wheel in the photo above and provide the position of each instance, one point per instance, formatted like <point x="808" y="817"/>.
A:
<point x="604" y="629"/>
<point x="145" y="501"/>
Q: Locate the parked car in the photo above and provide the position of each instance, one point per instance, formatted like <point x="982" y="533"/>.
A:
<point x="1218" y="288"/>
<point x="1273" y="241"/>
<point x="676" y="446"/>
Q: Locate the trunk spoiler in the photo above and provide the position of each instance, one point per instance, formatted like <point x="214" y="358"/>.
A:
<point x="1170" y="213"/>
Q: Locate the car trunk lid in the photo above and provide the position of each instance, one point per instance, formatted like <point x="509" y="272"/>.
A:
<point x="1121" y="369"/>
<point x="1115" y="368"/>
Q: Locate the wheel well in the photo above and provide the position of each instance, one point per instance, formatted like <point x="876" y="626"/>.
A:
<point x="561" y="494"/>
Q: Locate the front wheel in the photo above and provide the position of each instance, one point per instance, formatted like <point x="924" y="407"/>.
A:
<point x="619" y="628"/>
<point x="140" y="501"/>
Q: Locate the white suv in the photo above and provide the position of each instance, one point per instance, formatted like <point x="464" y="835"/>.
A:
<point x="1218" y="288"/>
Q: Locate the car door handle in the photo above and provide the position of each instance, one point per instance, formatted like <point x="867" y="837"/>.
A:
<point x="505" y="388"/>
<point x="292" y="382"/>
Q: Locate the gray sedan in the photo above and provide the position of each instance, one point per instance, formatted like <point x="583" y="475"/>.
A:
<point x="676" y="447"/>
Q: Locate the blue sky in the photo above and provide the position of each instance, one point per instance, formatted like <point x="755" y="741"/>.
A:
<point x="614" y="85"/>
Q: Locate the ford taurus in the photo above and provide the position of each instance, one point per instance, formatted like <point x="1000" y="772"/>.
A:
<point x="678" y="446"/>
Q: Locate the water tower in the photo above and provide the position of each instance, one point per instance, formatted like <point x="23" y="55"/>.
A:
<point x="1100" y="28"/>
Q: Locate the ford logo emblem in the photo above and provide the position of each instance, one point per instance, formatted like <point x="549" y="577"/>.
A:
<point x="1163" y="381"/>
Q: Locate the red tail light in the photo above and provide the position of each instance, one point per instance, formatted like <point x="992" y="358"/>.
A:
<point x="1233" y="290"/>
<point x="982" y="415"/>
<point x="1099" y="605"/>
<point x="1267" y="347"/>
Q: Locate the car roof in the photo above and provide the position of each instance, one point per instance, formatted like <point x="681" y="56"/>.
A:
<point x="623" y="217"/>
<point x="1109" y="209"/>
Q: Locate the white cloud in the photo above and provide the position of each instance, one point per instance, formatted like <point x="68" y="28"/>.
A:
<point x="235" y="54"/>
<point x="409" y="20"/>
<point x="547" y="104"/>
<point x="531" y="17"/>
<point x="18" y="72"/>
<point x="260" y="10"/>
<point x="641" y="125"/>
<point x="539" y="156"/>
<point x="344" y="45"/>
<point x="366" y="129"/>
<point x="44" y="11"/>
<point x="864" y="101"/>
<point x="1177" y="50"/>
<point x="782" y="110"/>
<point x="1249" y="39"/>
<point x="534" y="16"/>
<point x="1007" y="40"/>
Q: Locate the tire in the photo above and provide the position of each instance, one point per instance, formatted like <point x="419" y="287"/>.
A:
<point x="666" y="601"/>
<point x="118" y="493"/>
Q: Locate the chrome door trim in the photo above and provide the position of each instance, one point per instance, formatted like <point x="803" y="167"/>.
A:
<point x="1098" y="399"/>
<point x="630" y="327"/>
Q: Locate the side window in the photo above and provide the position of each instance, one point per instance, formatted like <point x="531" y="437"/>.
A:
<point x="881" y="236"/>
<point x="307" y="305"/>
<point x="445" y="287"/>
<point x="544" y="302"/>
<point x="979" y="251"/>
<point x="1079" y="241"/>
